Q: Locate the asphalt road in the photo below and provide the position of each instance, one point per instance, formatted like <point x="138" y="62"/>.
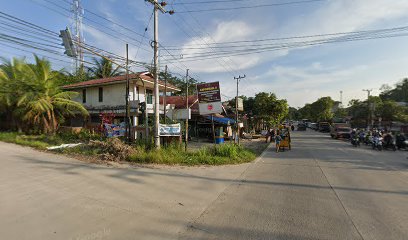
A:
<point x="322" y="189"/>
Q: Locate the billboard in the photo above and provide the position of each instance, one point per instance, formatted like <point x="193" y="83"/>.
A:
<point x="209" y="92"/>
<point x="209" y="98"/>
<point x="115" y="130"/>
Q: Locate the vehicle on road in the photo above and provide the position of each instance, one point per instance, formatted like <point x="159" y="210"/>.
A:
<point x="340" y="131"/>
<point x="314" y="126"/>
<point x="324" y="127"/>
<point x="301" y="127"/>
<point x="286" y="140"/>
<point x="389" y="142"/>
<point x="377" y="143"/>
<point x="355" y="141"/>
<point x="401" y="142"/>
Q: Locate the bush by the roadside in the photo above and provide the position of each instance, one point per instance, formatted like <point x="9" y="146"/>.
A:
<point x="113" y="149"/>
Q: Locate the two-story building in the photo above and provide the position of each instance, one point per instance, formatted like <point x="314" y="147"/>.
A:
<point x="108" y="95"/>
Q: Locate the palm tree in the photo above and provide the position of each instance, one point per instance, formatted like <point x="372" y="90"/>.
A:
<point x="10" y="81"/>
<point x="104" y="69"/>
<point x="37" y="99"/>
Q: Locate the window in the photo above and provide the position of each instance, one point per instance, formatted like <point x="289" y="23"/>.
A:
<point x="149" y="95"/>
<point x="83" y="95"/>
<point x="100" y="94"/>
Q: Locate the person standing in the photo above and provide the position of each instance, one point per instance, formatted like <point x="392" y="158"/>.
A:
<point x="278" y="139"/>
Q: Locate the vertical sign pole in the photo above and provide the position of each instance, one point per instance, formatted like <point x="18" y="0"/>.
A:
<point x="187" y="111"/>
<point x="127" y="122"/>
<point x="213" y="127"/>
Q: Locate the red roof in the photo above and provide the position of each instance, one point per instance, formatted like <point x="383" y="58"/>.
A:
<point x="145" y="76"/>
<point x="180" y="102"/>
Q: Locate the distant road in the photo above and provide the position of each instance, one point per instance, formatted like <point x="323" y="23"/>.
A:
<point x="322" y="189"/>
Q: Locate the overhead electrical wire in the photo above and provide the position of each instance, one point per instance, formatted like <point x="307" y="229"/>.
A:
<point x="251" y="6"/>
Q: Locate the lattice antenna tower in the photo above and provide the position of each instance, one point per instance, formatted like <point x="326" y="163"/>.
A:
<point x="77" y="33"/>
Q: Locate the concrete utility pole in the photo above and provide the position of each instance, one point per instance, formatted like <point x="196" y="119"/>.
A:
<point x="341" y="98"/>
<point x="187" y="111"/>
<point x="127" y="122"/>
<point x="156" y="93"/>
<point x="368" y="106"/>
<point x="236" y="109"/>
<point x="165" y="94"/>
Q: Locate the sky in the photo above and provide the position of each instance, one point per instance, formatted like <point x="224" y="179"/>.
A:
<point x="300" y="75"/>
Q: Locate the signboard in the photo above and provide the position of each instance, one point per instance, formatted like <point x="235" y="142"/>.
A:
<point x="240" y="106"/>
<point x="210" y="108"/>
<point x="170" y="129"/>
<point x="115" y="130"/>
<point x="209" y="92"/>
<point x="178" y="114"/>
<point x="209" y="98"/>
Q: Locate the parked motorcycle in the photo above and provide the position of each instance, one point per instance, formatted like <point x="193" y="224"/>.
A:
<point x="377" y="143"/>
<point x="388" y="142"/>
<point x="401" y="142"/>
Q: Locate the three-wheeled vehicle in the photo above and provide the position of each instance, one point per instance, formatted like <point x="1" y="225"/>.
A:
<point x="286" y="140"/>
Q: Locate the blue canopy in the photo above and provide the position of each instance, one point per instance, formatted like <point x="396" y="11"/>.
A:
<point x="225" y="121"/>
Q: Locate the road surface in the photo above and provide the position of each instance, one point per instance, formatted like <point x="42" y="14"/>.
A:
<point x="322" y="189"/>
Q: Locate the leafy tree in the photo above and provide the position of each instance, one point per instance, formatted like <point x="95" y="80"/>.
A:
<point x="398" y="94"/>
<point x="80" y="75"/>
<point x="270" y="109"/>
<point x="32" y="95"/>
<point x="294" y="114"/>
<point x="105" y="69"/>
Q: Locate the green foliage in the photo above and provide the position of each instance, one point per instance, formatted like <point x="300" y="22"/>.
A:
<point x="398" y="94"/>
<point x="30" y="96"/>
<point x="270" y="109"/>
<point x="105" y="69"/>
<point x="320" y="110"/>
<point x="215" y="155"/>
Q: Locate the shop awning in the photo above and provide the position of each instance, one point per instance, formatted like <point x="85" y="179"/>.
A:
<point x="225" y="121"/>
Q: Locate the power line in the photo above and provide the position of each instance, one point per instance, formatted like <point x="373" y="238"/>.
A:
<point x="253" y="6"/>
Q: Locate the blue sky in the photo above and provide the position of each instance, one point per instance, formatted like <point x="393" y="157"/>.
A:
<point x="299" y="75"/>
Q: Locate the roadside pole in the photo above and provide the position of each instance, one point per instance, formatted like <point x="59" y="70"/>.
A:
<point x="236" y="110"/>
<point x="186" y="140"/>
<point x="165" y="94"/>
<point x="127" y="122"/>
<point x="213" y="127"/>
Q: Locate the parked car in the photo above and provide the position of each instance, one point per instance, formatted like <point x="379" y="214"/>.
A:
<point x="340" y="132"/>
<point x="301" y="127"/>
<point x="324" y="127"/>
<point x="314" y="126"/>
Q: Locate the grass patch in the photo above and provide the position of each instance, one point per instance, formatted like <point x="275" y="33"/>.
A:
<point x="43" y="141"/>
<point x="214" y="155"/>
<point x="114" y="150"/>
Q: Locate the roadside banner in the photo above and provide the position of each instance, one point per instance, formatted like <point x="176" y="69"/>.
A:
<point x="240" y="104"/>
<point x="209" y="98"/>
<point x="178" y="114"/>
<point x="115" y="130"/>
<point x="170" y="129"/>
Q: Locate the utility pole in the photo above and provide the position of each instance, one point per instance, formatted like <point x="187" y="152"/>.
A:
<point x="368" y="106"/>
<point x="165" y="94"/>
<point x="341" y="98"/>
<point x="127" y="122"/>
<point x="236" y="109"/>
<point x="187" y="111"/>
<point x="156" y="93"/>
